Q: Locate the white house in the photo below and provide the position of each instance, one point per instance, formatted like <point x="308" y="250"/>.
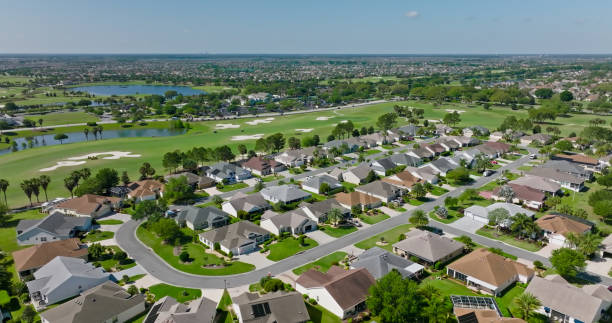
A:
<point x="556" y="227"/>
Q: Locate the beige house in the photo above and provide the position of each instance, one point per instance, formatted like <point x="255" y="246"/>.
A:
<point x="91" y="205"/>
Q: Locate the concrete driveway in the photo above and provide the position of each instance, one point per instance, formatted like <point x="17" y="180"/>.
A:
<point x="320" y="237"/>
<point x="255" y="258"/>
<point x="547" y="250"/>
<point x="599" y="265"/>
<point x="467" y="224"/>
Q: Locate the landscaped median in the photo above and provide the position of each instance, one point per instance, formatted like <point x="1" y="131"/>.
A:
<point x="200" y="262"/>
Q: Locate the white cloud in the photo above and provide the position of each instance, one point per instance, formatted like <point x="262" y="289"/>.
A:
<point x="412" y="14"/>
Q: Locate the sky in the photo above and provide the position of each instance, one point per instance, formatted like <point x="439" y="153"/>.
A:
<point x="307" y="27"/>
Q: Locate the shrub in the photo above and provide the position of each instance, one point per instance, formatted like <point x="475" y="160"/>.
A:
<point x="184" y="256"/>
<point x="538" y="264"/>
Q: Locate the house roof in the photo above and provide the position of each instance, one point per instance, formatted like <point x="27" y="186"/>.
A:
<point x="444" y="164"/>
<point x="524" y="193"/>
<point x="284" y="193"/>
<point x="405" y="159"/>
<point x="561" y="224"/>
<point x="101" y="303"/>
<point x="355" y="198"/>
<point x="402" y="179"/>
<point x="361" y="171"/>
<point x="512" y="209"/>
<point x="87" y="203"/>
<point x="168" y="310"/>
<point x="426" y="173"/>
<point x="566" y="167"/>
<point x="248" y="202"/>
<point x="422" y="152"/>
<point x="555" y="175"/>
<point x="55" y="223"/>
<point x="284" y="307"/>
<point x="321" y="208"/>
<point x="538" y="183"/>
<point x="233" y="235"/>
<point x="427" y="245"/>
<point x="436" y="148"/>
<point x="192" y="178"/>
<point x="198" y="215"/>
<point x="577" y="158"/>
<point x="470" y="315"/>
<point x="39" y="255"/>
<point x="225" y="169"/>
<point x="61" y="269"/>
<point x="379" y="188"/>
<point x="316" y="181"/>
<point x="489" y="267"/>
<point x="557" y="294"/>
<point x="290" y="219"/>
<point x="260" y="163"/>
<point x="347" y="287"/>
<point x="380" y="262"/>
<point x="145" y="187"/>
<point x="384" y="163"/>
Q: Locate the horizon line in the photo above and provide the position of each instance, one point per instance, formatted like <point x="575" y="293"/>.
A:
<point x="317" y="54"/>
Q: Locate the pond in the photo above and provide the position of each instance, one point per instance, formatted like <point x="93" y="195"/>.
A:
<point x="136" y="89"/>
<point x="48" y="140"/>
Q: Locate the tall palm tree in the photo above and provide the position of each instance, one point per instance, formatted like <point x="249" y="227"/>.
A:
<point x="527" y="303"/>
<point x="437" y="310"/>
<point x="26" y="187"/>
<point x="70" y="183"/>
<point x="588" y="244"/>
<point x="4" y="184"/>
<point x="520" y="222"/>
<point x="44" y="181"/>
<point x="419" y="218"/>
<point x="35" y="187"/>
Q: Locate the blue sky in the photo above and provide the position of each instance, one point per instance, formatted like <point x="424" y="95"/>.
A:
<point x="311" y="26"/>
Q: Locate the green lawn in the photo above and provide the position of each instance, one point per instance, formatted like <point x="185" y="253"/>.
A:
<point x="525" y="168"/>
<point x="337" y="232"/>
<point x="388" y="147"/>
<point x="212" y="88"/>
<point x="98" y="236"/>
<point x="318" y="314"/>
<point x="437" y="191"/>
<point x="493" y="234"/>
<point x="57" y="118"/>
<point x="373" y="219"/>
<point x="372" y="152"/>
<point x="233" y="187"/>
<point x="322" y="264"/>
<point x="224" y="308"/>
<point x="452" y="217"/>
<point x="25" y="164"/>
<point x="131" y="279"/>
<point x="109" y="222"/>
<point x="272" y="178"/>
<point x="289" y="247"/>
<point x="181" y="294"/>
<point x="580" y="200"/>
<point x="415" y="202"/>
<point x="390" y="236"/>
<point x="108" y="263"/>
<point x="448" y="287"/>
<point x="506" y="302"/>
<point x="197" y="253"/>
<point x="349" y="186"/>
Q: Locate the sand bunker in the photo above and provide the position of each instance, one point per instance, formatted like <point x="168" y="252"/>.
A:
<point x="251" y="137"/>
<point x="258" y="121"/>
<point x="304" y="130"/>
<point x="324" y="118"/>
<point x="344" y="121"/>
<point x="221" y="126"/>
<point x="113" y="155"/>
<point x="63" y="164"/>
<point x="451" y="111"/>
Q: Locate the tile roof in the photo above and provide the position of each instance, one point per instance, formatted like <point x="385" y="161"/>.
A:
<point x="427" y="245"/>
<point x="87" y="203"/>
<point x="39" y="255"/>
<point x="355" y="198"/>
<point x="490" y="267"/>
<point x="560" y="224"/>
<point x="145" y="187"/>
<point x="380" y="262"/>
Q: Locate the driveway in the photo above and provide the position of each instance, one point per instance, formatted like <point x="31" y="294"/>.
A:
<point x="255" y="258"/>
<point x="467" y="224"/>
<point x="547" y="250"/>
<point x="320" y="237"/>
<point x="599" y="265"/>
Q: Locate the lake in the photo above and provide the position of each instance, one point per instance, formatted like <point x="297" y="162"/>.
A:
<point x="136" y="89"/>
<point x="48" y="140"/>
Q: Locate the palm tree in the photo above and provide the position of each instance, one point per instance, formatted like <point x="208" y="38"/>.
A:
<point x="437" y="310"/>
<point x="84" y="173"/>
<point x="70" y="183"/>
<point x="588" y="244"/>
<point x="334" y="216"/>
<point x="27" y="189"/>
<point x="419" y="218"/>
<point x="4" y="184"/>
<point x="527" y="304"/>
<point x="86" y="133"/>
<point x="44" y="181"/>
<point x="35" y="186"/>
<point x="521" y="224"/>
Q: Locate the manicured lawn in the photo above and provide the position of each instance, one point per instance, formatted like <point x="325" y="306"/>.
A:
<point x="493" y="234"/>
<point x="448" y="287"/>
<point x="289" y="247"/>
<point x="452" y="217"/>
<point x="98" y="236"/>
<point x="132" y="279"/>
<point x="57" y="118"/>
<point x="181" y="294"/>
<point x="415" y="202"/>
<point x="225" y="315"/>
<point x="390" y="236"/>
<point x="349" y="186"/>
<point x="580" y="200"/>
<point x="506" y="302"/>
<point x="372" y="152"/>
<point x="437" y="191"/>
<point x="388" y="147"/>
<point x="108" y="263"/>
<point x="233" y="187"/>
<point x="272" y="178"/>
<point x="318" y="314"/>
<point x="373" y="219"/>
<point x="322" y="264"/>
<point x="337" y="232"/>
<point x="525" y="168"/>
<point x="109" y="222"/>
<point x="197" y="252"/>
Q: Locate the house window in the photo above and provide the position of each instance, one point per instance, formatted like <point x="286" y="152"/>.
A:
<point x="43" y="239"/>
<point x="260" y="310"/>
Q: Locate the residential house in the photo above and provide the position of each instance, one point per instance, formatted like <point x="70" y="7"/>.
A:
<point x="62" y="278"/>
<point x="295" y="222"/>
<point x="313" y="183"/>
<point x="571" y="168"/>
<point x="336" y="173"/>
<point x="541" y="184"/>
<point x="284" y="193"/>
<point x="589" y="163"/>
<point x="196" y="181"/>
<point x="88" y="205"/>
<point x="467" y="156"/>
<point x="239" y="238"/>
<point x="449" y="143"/>
<point x="556" y="227"/>
<point x="199" y="218"/>
<point x="465" y="141"/>
<point x="286" y="307"/>
<point x="377" y="138"/>
<point x="403" y="132"/>
<point x="403" y="180"/>
<point x="318" y="211"/>
<point x="106" y="303"/>
<point x="263" y="166"/>
<point x="344" y="146"/>
<point x="405" y="160"/>
<point x="259" y="97"/>
<point x="380" y="190"/>
<point x="250" y="203"/>
<point x="442" y="165"/>
<point x="496" y="136"/>
<point x="342" y="292"/>
<point x="169" y="310"/>
<point x="29" y="260"/>
<point x="428" y="247"/>
<point x="481" y="213"/>
<point x="383" y="166"/>
<point x="493" y="149"/>
<point x="484" y="314"/>
<point x="362" y="200"/>
<point x="442" y="129"/>
<point x="435" y="149"/>
<point x="566" y="180"/>
<point x="53" y="227"/>
<point x="421" y="153"/>
<point x="525" y="195"/>
<point x="426" y="174"/>
<point x="357" y="175"/>
<point x="475" y="131"/>
<point x="488" y="272"/>
<point x="379" y="262"/>
<point x="564" y="302"/>
<point x="538" y="139"/>
<point x="297" y="157"/>
<point x="227" y="173"/>
<point x="145" y="190"/>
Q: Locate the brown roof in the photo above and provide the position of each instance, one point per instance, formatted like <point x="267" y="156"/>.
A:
<point x="347" y="287"/>
<point x="482" y="316"/>
<point x="524" y="193"/>
<point x="577" y="158"/>
<point x="145" y="188"/>
<point x="39" y="255"/>
<point x="436" y="148"/>
<point x="87" y="203"/>
<point x="489" y="267"/>
<point x="557" y="223"/>
<point x="499" y="146"/>
<point x="355" y="198"/>
<point x="406" y="179"/>
<point x="260" y="163"/>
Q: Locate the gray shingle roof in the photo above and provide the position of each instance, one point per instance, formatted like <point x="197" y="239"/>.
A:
<point x="284" y="307"/>
<point x="404" y="159"/>
<point x="198" y="216"/>
<point x="168" y="310"/>
<point x="284" y="193"/>
<point x="235" y="234"/>
<point x="247" y="202"/>
<point x="316" y="181"/>
<point x="55" y="223"/>
<point x="428" y="246"/>
<point x="378" y="188"/>
<point x="380" y="262"/>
